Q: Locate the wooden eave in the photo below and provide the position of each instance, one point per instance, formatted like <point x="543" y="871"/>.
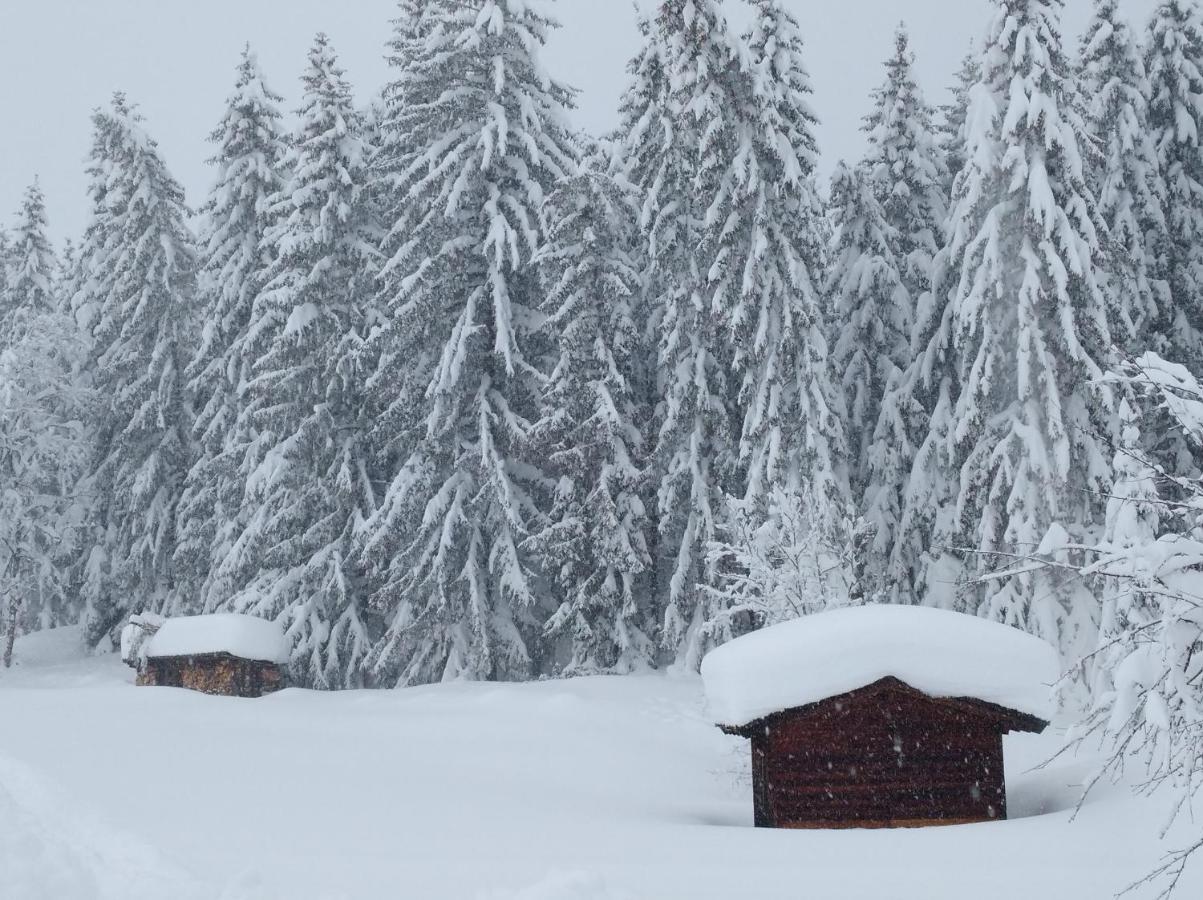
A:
<point x="213" y="657"/>
<point x="993" y="717"/>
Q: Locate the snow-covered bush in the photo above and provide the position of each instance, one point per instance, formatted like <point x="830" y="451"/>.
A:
<point x="802" y="558"/>
<point x="1148" y="668"/>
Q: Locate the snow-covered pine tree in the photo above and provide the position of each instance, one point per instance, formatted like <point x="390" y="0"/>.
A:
<point x="908" y="170"/>
<point x="639" y="110"/>
<point x="870" y="308"/>
<point x="300" y="416"/>
<point x="718" y="138"/>
<point x="955" y="114"/>
<point x="32" y="266"/>
<point x="679" y="133"/>
<point x="486" y="140"/>
<point x="410" y="28"/>
<point x="1174" y="66"/>
<point x="234" y="261"/>
<point x="1026" y="317"/>
<point x="909" y="176"/>
<point x="44" y="449"/>
<point x="594" y="546"/>
<point x="391" y="142"/>
<point x="67" y="276"/>
<point x="776" y="231"/>
<point x="43" y="444"/>
<point x="1128" y="182"/>
<point x="137" y="300"/>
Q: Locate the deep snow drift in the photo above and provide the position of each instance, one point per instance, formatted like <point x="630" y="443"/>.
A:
<point x="594" y="789"/>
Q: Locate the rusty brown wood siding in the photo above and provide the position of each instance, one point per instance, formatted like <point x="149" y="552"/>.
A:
<point x="878" y="758"/>
<point x="218" y="673"/>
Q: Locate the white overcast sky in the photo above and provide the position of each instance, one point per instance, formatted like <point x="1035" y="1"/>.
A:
<point x="59" y="59"/>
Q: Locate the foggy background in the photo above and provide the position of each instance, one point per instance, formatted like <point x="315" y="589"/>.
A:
<point x="59" y="59"/>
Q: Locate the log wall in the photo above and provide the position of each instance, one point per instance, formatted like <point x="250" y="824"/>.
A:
<point x="218" y="673"/>
<point x="886" y="756"/>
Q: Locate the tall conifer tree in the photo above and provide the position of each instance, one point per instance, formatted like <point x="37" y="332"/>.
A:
<point x="482" y="139"/>
<point x="1174" y="65"/>
<point x="594" y="547"/>
<point x="1128" y="182"/>
<point x="307" y="488"/>
<point x="44" y="446"/>
<point x="678" y="134"/>
<point x="870" y="310"/>
<point x="137" y="299"/>
<point x="792" y="435"/>
<point x="954" y="116"/>
<point x="235" y="260"/>
<point x="718" y="138"/>
<point x="32" y="265"/>
<point x="909" y="172"/>
<point x="1024" y="332"/>
<point x="909" y="176"/>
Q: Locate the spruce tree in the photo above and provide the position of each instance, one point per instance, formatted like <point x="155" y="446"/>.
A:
<point x="909" y="172"/>
<point x="234" y="261"/>
<point x="137" y="299"/>
<point x="640" y="109"/>
<point x="871" y="312"/>
<point x="909" y="176"/>
<point x="718" y="138"/>
<point x="482" y="142"/>
<point x="594" y="546"/>
<point x="300" y="416"/>
<point x="954" y="117"/>
<point x="792" y="436"/>
<point x="1024" y="332"/>
<point x="32" y="264"/>
<point x="1128" y="181"/>
<point x="678" y="134"/>
<point x="410" y="27"/>
<point x="44" y="449"/>
<point x="67" y="276"/>
<point x="773" y="560"/>
<point x="1174" y="65"/>
<point x="43" y="442"/>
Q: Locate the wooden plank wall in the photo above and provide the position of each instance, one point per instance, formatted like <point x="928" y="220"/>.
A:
<point x="214" y="674"/>
<point x="886" y="758"/>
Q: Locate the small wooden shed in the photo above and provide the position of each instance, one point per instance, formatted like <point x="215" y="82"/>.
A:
<point x="880" y="716"/>
<point x="230" y="655"/>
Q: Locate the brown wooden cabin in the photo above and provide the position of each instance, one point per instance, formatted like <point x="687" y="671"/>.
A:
<point x="882" y="756"/>
<point x="213" y="673"/>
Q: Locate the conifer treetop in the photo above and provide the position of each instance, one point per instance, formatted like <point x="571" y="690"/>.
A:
<point x="32" y="267"/>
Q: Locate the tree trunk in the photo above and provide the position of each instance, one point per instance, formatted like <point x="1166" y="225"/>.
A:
<point x="14" y="609"/>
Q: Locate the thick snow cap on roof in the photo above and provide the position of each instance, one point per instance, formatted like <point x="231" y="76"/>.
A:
<point x="246" y="637"/>
<point x="941" y="653"/>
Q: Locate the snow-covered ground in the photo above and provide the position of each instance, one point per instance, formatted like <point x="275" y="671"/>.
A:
<point x="595" y="789"/>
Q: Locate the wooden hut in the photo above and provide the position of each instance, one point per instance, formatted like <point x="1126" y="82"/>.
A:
<point x="230" y="655"/>
<point x="880" y="717"/>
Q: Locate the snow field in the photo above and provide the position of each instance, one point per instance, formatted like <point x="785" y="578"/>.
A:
<point x="593" y="789"/>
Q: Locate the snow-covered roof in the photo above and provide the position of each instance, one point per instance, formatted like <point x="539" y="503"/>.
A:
<point x="246" y="637"/>
<point x="941" y="653"/>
